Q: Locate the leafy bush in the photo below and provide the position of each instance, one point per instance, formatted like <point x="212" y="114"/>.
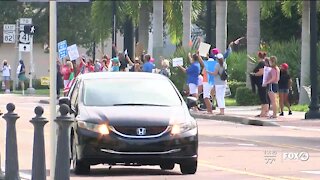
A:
<point x="245" y="97"/>
<point x="234" y="85"/>
<point x="287" y="52"/>
<point x="237" y="65"/>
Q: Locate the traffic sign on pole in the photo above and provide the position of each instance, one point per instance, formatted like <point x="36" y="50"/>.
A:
<point x="9" y="33"/>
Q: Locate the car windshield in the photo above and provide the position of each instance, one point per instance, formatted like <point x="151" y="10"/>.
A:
<point x="121" y="92"/>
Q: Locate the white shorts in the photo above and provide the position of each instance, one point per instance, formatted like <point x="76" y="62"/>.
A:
<point x="193" y="89"/>
<point x="207" y="90"/>
<point x="200" y="80"/>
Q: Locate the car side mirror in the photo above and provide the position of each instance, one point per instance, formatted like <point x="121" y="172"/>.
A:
<point x="65" y="100"/>
<point x="191" y="102"/>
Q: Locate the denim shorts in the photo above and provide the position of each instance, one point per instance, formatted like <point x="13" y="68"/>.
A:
<point x="6" y="78"/>
<point x="286" y="91"/>
<point x="273" y="88"/>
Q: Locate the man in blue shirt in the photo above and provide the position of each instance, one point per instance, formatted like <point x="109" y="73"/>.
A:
<point x="147" y="66"/>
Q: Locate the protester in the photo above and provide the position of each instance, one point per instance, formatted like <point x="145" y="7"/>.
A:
<point x="165" y="68"/>
<point x="136" y="65"/>
<point x="272" y="84"/>
<point x="208" y="82"/>
<point x="285" y="85"/>
<point x="59" y="79"/>
<point x="147" y="66"/>
<point x="66" y="70"/>
<point x="220" y="84"/>
<point x="97" y="65"/>
<point x="193" y="72"/>
<point x="6" y="73"/>
<point x="115" y="64"/>
<point x="21" y="72"/>
<point x="256" y="78"/>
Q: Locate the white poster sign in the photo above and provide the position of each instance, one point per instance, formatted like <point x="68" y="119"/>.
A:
<point x="177" y="62"/>
<point x="73" y="52"/>
<point x="266" y="74"/>
<point x="204" y="49"/>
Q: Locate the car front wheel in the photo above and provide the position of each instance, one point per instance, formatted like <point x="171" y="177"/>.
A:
<point x="189" y="167"/>
<point x="79" y="167"/>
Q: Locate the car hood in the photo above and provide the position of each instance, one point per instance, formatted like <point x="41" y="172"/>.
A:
<point x="133" y="115"/>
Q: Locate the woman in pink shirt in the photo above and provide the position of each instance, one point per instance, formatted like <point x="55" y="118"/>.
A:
<point x="272" y="84"/>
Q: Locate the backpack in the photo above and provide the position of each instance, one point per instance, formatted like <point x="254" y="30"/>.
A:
<point x="224" y="74"/>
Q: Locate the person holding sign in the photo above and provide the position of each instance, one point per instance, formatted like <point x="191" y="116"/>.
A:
<point x="193" y="72"/>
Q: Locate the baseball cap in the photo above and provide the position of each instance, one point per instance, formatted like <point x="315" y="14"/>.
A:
<point x="285" y="66"/>
<point x="215" y="51"/>
<point x="220" y="56"/>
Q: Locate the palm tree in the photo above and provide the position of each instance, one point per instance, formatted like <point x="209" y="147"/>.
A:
<point x="253" y="33"/>
<point x="186" y="23"/>
<point x="221" y="24"/>
<point x="157" y="28"/>
<point x="305" y="53"/>
<point x="144" y="23"/>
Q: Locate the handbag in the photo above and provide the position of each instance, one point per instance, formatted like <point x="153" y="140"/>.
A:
<point x="224" y="75"/>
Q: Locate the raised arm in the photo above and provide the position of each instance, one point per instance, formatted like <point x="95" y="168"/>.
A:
<point x="129" y="60"/>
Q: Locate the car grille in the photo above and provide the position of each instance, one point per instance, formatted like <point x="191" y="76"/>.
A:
<point x="132" y="131"/>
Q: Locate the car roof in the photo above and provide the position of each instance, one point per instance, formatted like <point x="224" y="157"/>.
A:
<point x="121" y="75"/>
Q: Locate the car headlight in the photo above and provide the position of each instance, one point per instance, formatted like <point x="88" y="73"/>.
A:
<point x="178" y="128"/>
<point x="99" y="128"/>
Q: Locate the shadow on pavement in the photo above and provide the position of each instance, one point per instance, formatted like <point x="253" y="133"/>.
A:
<point x="99" y="172"/>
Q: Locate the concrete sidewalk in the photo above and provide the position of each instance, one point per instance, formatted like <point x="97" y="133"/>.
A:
<point x="246" y="115"/>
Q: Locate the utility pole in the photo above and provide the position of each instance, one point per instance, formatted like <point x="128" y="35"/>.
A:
<point x="53" y="83"/>
<point x="313" y="112"/>
<point x="114" y="31"/>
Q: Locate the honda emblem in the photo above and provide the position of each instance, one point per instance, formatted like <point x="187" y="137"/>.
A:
<point x="141" y="131"/>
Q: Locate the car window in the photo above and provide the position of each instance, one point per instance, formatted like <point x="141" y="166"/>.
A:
<point x="109" y="92"/>
<point x="75" y="93"/>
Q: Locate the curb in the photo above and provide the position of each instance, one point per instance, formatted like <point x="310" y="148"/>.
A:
<point x="236" y="119"/>
<point x="44" y="101"/>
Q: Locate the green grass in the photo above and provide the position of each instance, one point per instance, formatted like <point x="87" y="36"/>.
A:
<point x="39" y="92"/>
<point x="301" y="108"/>
<point x="297" y="107"/>
<point x="231" y="102"/>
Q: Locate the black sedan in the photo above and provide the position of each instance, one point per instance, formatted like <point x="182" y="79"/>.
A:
<point x="128" y="118"/>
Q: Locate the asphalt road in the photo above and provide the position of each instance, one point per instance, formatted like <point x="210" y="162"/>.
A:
<point x="226" y="151"/>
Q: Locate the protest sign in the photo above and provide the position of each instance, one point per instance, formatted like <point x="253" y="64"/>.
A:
<point x="177" y="62"/>
<point x="73" y="52"/>
<point x="204" y="49"/>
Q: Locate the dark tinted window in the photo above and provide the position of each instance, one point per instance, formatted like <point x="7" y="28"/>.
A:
<point x="109" y="92"/>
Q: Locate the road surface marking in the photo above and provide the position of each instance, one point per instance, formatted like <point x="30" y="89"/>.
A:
<point x="301" y="128"/>
<point x="293" y="178"/>
<point x="236" y="171"/>
<point x="312" y="172"/>
<point x="245" y="144"/>
<point x="272" y="144"/>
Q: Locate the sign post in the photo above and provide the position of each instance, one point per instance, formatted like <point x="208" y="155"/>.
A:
<point x="53" y="84"/>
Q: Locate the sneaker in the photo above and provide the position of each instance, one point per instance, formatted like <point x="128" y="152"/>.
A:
<point x="290" y="113"/>
<point x="281" y="114"/>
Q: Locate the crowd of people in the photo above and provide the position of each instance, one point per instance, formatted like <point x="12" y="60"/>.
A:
<point x="67" y="70"/>
<point x="207" y="75"/>
<point x="277" y="82"/>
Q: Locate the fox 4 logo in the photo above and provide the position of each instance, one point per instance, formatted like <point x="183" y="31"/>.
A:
<point x="302" y="156"/>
